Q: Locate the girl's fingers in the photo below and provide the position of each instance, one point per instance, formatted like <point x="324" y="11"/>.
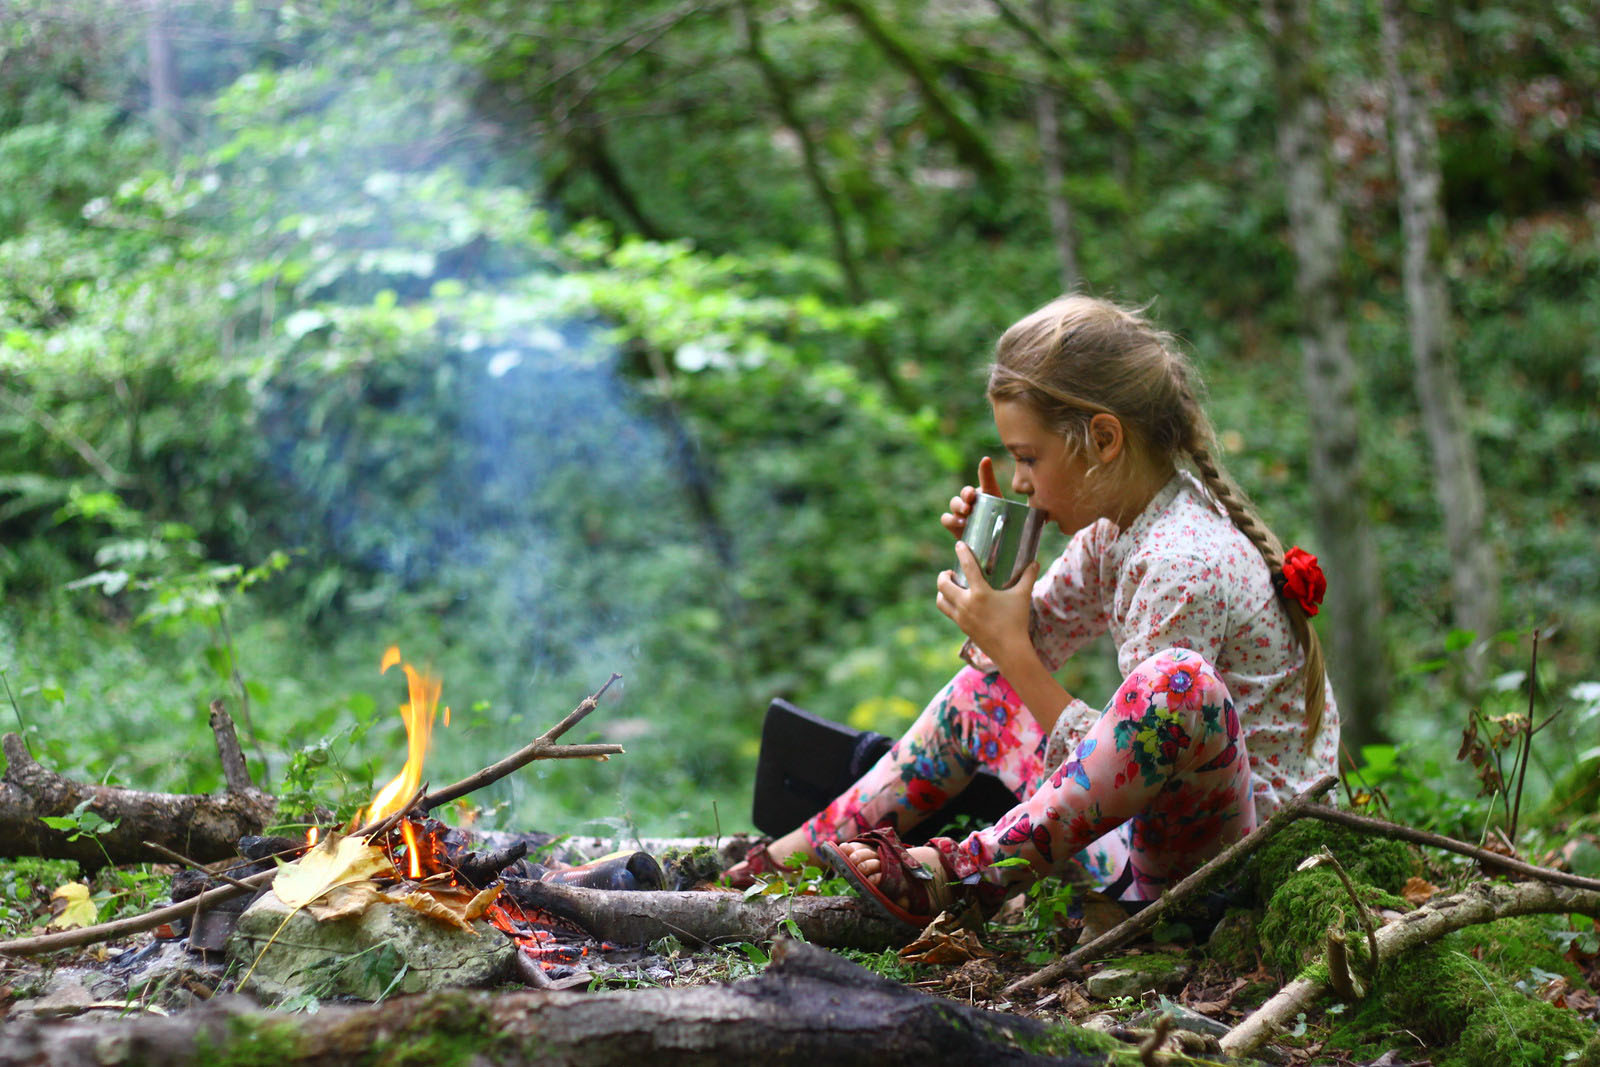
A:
<point x="986" y="477"/>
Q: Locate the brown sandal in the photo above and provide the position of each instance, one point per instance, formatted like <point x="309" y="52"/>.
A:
<point x="927" y="891"/>
<point x="757" y="862"/>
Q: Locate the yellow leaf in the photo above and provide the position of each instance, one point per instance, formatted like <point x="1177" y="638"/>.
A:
<point x="335" y="861"/>
<point x="76" y="910"/>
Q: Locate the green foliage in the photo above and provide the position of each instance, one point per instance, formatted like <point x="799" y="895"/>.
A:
<point x="534" y="347"/>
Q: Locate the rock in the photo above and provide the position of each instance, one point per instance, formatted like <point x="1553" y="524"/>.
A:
<point x="287" y="953"/>
<point x="1133" y="975"/>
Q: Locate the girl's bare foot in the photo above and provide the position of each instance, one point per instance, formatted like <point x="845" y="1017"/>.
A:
<point x="865" y="859"/>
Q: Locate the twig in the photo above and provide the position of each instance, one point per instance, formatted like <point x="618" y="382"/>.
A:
<point x="89" y="935"/>
<point x="1527" y="739"/>
<point x="1120" y="934"/>
<point x="235" y="772"/>
<point x="1449" y="844"/>
<point x="542" y="747"/>
<point x="178" y="857"/>
<point x="1362" y="911"/>
<point x="1340" y="980"/>
<point x="1158" y="1037"/>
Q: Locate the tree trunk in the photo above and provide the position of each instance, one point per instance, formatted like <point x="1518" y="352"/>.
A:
<point x="1354" y="600"/>
<point x="1474" y="587"/>
<point x="808" y="1007"/>
<point x="1046" y="104"/>
<point x="163" y="84"/>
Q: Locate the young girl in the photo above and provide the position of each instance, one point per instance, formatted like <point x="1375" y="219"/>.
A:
<point x="1224" y="710"/>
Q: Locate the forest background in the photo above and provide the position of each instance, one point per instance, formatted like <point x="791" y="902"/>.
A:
<point x="551" y="340"/>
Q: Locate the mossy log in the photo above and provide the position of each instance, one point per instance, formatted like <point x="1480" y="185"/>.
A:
<point x="808" y="1007"/>
<point x="1480" y="903"/>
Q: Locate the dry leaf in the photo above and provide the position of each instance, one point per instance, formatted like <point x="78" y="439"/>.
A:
<point x="1417" y="892"/>
<point x="335" y="861"/>
<point x="446" y="911"/>
<point x="945" y="941"/>
<point x="76" y="910"/>
<point x="344" y="901"/>
<point x="480" y="903"/>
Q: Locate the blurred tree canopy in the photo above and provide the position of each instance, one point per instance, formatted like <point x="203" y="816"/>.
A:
<point x="569" y="337"/>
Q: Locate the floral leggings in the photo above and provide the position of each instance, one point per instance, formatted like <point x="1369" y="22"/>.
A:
<point x="1160" y="783"/>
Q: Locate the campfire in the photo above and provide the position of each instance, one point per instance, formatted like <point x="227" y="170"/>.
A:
<point x="395" y="856"/>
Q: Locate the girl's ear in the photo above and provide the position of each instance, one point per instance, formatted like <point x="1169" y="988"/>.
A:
<point x="1105" y="430"/>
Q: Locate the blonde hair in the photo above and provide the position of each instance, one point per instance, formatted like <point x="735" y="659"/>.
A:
<point x="1078" y="357"/>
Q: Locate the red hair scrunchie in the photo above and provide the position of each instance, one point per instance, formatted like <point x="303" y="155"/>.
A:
<point x="1302" y="579"/>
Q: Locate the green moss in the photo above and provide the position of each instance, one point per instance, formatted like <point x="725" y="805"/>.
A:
<point x="1516" y="946"/>
<point x="1149" y="963"/>
<point x="1066" y="1040"/>
<point x="445" y="1030"/>
<point x="1462" y="1010"/>
<point x="252" y="1041"/>
<point x="686" y="868"/>
<point x="1234" y="944"/>
<point x="1372" y="860"/>
<point x="1294" y="931"/>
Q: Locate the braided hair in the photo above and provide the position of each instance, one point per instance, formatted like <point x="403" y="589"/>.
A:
<point x="1078" y="357"/>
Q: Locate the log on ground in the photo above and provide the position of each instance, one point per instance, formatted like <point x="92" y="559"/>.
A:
<point x="202" y="827"/>
<point x="808" y="1007"/>
<point x="711" y="917"/>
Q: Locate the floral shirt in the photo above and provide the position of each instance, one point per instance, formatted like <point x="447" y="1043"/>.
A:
<point x="1182" y="575"/>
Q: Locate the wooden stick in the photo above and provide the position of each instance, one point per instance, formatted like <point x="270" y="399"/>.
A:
<point x="1384" y="828"/>
<point x="234" y="770"/>
<point x="541" y="747"/>
<point x="1144" y="920"/>
<point x="178" y="857"/>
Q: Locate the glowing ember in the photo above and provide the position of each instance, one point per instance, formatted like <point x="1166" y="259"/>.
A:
<point x="417" y="713"/>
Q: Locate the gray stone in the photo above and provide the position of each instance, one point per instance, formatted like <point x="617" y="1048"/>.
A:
<point x="1133" y="975"/>
<point x="293" y="953"/>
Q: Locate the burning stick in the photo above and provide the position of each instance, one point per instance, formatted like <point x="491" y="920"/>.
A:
<point x="542" y="747"/>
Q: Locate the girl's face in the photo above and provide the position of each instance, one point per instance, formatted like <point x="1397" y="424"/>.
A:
<point x="1049" y="471"/>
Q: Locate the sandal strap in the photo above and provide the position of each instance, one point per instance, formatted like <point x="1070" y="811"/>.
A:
<point x="902" y="874"/>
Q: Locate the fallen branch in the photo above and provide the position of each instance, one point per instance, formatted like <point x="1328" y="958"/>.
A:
<point x="1481" y="903"/>
<point x="1384" y="828"/>
<point x="1302" y="804"/>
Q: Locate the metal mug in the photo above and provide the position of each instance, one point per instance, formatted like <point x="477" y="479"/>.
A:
<point x="1004" y="536"/>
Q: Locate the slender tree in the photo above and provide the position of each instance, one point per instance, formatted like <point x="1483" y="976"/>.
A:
<point x="1046" y="104"/>
<point x="1474" y="586"/>
<point x="1354" y="601"/>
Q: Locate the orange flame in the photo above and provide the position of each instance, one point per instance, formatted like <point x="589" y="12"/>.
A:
<point x="418" y="713"/>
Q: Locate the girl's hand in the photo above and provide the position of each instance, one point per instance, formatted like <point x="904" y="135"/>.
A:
<point x="995" y="619"/>
<point x="955" y="520"/>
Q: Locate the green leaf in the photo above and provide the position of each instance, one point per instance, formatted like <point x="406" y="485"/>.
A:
<point x="221" y="663"/>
